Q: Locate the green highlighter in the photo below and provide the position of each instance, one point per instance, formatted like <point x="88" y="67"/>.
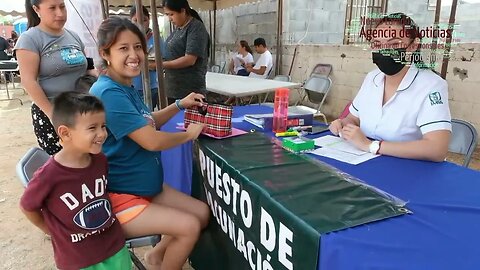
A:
<point x="298" y="144"/>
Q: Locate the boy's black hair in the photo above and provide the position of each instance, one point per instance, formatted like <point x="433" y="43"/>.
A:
<point x="260" y="41"/>
<point x="84" y="83"/>
<point x="68" y="104"/>
<point x="133" y="11"/>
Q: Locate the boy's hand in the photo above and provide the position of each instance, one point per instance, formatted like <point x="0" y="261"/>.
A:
<point x="194" y="130"/>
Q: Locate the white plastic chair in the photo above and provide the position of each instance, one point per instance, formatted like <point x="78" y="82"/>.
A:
<point x="464" y="139"/>
<point x="35" y="158"/>
<point x="215" y="68"/>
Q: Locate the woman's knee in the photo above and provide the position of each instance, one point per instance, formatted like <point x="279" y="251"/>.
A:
<point x="204" y="215"/>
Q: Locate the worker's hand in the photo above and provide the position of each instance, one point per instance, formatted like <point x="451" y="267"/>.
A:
<point x="336" y="127"/>
<point x="193" y="99"/>
<point x="194" y="130"/>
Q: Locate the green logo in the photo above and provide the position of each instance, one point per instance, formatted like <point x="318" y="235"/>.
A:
<point x="435" y="98"/>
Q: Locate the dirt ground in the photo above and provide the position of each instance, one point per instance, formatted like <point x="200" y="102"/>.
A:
<point x="22" y="246"/>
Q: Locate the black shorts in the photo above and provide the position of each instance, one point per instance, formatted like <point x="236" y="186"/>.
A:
<point x="47" y="137"/>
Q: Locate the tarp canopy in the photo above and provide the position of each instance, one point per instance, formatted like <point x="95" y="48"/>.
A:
<point x="14" y="8"/>
<point x="196" y="4"/>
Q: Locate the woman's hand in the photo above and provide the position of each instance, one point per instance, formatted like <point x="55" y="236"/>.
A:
<point x="193" y="99"/>
<point x="194" y="130"/>
<point x="354" y="135"/>
<point x="336" y="126"/>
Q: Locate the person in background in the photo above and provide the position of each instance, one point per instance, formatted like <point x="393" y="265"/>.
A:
<point x="401" y="109"/>
<point x="241" y="59"/>
<point x="264" y="64"/>
<point x="51" y="59"/>
<point x="141" y="201"/>
<point x="137" y="81"/>
<point x="4" y="46"/>
<point x="67" y="197"/>
<point x="187" y="51"/>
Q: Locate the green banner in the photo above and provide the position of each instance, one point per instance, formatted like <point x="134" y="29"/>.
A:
<point x="270" y="206"/>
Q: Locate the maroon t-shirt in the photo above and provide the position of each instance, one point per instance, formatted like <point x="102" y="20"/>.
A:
<point x="77" y="211"/>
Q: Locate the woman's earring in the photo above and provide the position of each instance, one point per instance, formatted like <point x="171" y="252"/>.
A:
<point x="108" y="63"/>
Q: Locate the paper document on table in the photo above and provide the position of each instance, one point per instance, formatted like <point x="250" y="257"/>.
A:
<point x="343" y="156"/>
<point x="339" y="144"/>
<point x="339" y="149"/>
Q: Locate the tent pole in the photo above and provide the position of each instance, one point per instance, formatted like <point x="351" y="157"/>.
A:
<point x="147" y="93"/>
<point x="162" y="95"/>
<point x="278" y="59"/>
<point x="448" y="43"/>
<point x="104" y="10"/>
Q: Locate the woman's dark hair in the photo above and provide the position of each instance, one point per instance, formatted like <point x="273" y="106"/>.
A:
<point x="411" y="31"/>
<point x="32" y="17"/>
<point x="110" y="29"/>
<point x="411" y="28"/>
<point x="177" y="5"/>
<point x="244" y="44"/>
<point x="133" y="11"/>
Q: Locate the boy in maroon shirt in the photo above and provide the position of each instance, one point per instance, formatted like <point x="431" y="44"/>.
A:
<point x="67" y="197"/>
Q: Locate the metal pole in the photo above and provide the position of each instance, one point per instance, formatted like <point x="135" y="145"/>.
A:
<point x="433" y="47"/>
<point x="214" y="30"/>
<point x="279" y="36"/>
<point x="104" y="9"/>
<point x="147" y="93"/>
<point x="448" y="43"/>
<point x="162" y="95"/>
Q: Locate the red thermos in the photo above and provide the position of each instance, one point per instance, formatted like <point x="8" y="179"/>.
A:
<point x="280" y="110"/>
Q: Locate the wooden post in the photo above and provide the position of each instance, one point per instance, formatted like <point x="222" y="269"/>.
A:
<point x="147" y="92"/>
<point x="104" y="9"/>
<point x="448" y="43"/>
<point x="162" y="95"/>
<point x="278" y="60"/>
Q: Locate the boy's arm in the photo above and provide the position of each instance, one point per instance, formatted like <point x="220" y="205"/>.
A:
<point x="36" y="218"/>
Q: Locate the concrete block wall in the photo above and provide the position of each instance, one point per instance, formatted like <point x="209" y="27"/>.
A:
<point x="314" y="21"/>
<point x="244" y="22"/>
<point x="352" y="63"/>
<point x="466" y="18"/>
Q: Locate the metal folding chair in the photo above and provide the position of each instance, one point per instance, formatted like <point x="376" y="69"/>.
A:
<point x="9" y="66"/>
<point x="35" y="158"/>
<point x="215" y="68"/>
<point x="283" y="78"/>
<point x="316" y="89"/>
<point x="464" y="139"/>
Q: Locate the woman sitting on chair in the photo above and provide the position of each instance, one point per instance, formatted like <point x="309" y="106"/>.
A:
<point x="239" y="60"/>
<point x="401" y="106"/>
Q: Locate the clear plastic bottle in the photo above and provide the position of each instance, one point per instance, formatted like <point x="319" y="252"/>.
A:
<point x="280" y="110"/>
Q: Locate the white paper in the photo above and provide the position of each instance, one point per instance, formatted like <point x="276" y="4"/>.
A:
<point x="237" y="119"/>
<point x="338" y="144"/>
<point x="343" y="156"/>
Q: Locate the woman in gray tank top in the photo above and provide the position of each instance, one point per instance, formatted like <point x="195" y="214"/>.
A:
<point x="51" y="59"/>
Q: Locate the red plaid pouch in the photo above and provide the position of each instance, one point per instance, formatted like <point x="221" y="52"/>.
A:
<point x="216" y="117"/>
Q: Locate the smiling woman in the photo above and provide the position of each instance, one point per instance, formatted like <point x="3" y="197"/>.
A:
<point x="51" y="59"/>
<point x="140" y="200"/>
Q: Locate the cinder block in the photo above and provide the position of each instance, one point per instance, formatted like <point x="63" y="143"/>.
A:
<point x="465" y="92"/>
<point x="462" y="110"/>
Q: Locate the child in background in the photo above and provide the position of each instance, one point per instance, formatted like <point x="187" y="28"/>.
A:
<point x="67" y="197"/>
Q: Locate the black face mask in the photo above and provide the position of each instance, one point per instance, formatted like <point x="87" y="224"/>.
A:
<point x="390" y="64"/>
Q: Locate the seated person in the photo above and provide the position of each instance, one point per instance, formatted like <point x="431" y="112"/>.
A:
<point x="239" y="60"/>
<point x="264" y="64"/>
<point x="401" y="109"/>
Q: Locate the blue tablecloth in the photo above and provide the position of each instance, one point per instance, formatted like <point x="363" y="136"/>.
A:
<point x="442" y="233"/>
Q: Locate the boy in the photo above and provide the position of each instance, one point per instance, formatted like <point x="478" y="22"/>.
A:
<point x="67" y="196"/>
